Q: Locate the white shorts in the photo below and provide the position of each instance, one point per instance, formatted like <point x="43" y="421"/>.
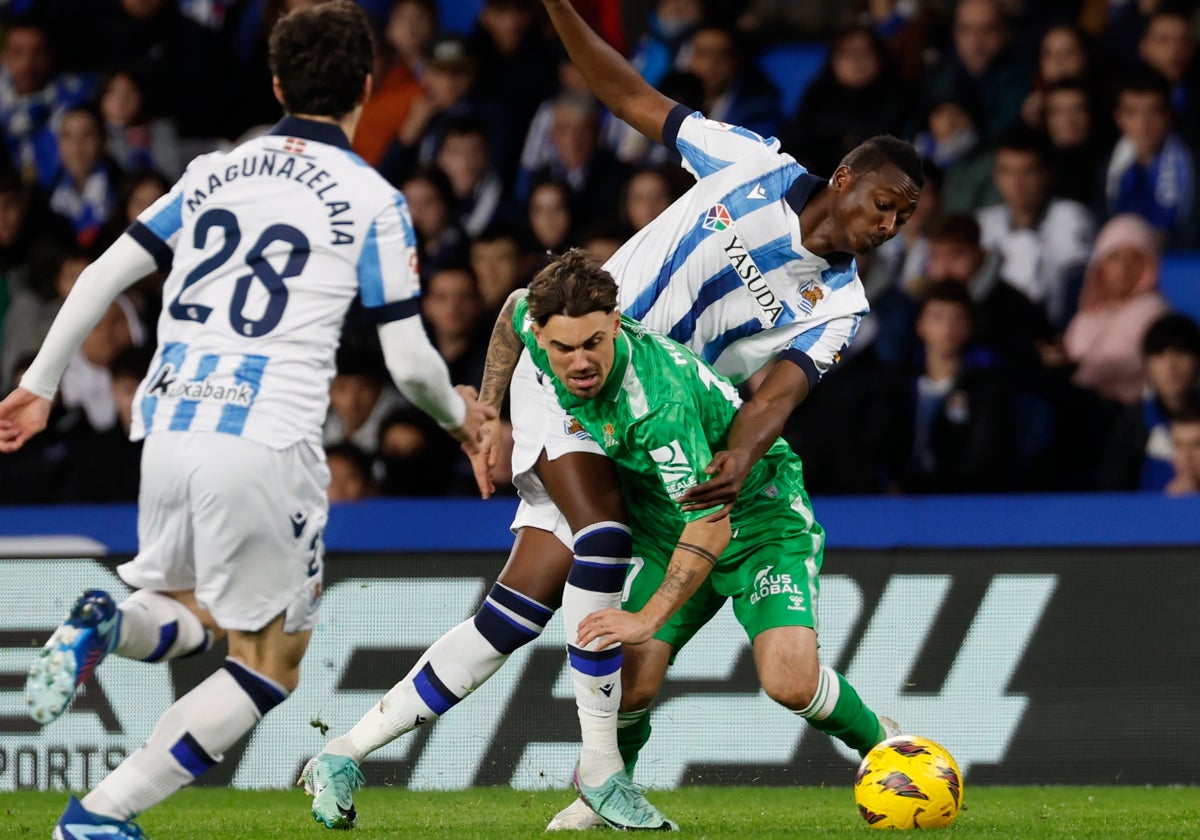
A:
<point x="239" y="523"/>
<point x="540" y="423"/>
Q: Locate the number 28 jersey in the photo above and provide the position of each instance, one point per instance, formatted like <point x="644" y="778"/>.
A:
<point x="266" y="246"/>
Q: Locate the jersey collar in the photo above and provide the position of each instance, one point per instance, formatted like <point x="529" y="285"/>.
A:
<point x="612" y="386"/>
<point x="318" y="132"/>
<point x="798" y="195"/>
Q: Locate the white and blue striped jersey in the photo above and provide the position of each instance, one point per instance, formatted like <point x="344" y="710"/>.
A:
<point x="267" y="245"/>
<point x="723" y="270"/>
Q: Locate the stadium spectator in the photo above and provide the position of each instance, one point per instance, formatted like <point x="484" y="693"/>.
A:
<point x="1044" y="241"/>
<point x="38" y="473"/>
<point x="647" y="193"/>
<point x="135" y="141"/>
<point x="1076" y="141"/>
<point x="517" y="66"/>
<point x="447" y="92"/>
<point x="108" y="469"/>
<point x="858" y="93"/>
<point x="949" y="139"/>
<point x="501" y="265"/>
<point x="1151" y="171"/>
<point x="1139" y="455"/>
<point x="1169" y="46"/>
<point x="417" y="458"/>
<point x="1064" y="53"/>
<point x="33" y="98"/>
<point x="84" y="190"/>
<point x="359" y="399"/>
<point x="87" y="380"/>
<point x="551" y="215"/>
<point x="1185" y="443"/>
<point x="603" y="240"/>
<point x="592" y="173"/>
<point x="349" y="473"/>
<point x="669" y="26"/>
<point x="981" y="64"/>
<point x="32" y="242"/>
<point x="431" y="203"/>
<point x="1117" y="304"/>
<point x="906" y="27"/>
<point x="410" y="27"/>
<point x="734" y="89"/>
<point x="945" y="425"/>
<point x="453" y="314"/>
<point x="463" y="157"/>
<point x="1006" y="320"/>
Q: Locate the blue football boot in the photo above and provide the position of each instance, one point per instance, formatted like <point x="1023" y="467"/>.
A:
<point x="81" y="642"/>
<point x="78" y="823"/>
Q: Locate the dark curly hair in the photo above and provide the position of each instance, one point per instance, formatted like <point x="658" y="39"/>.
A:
<point x="322" y="55"/>
<point x="573" y="284"/>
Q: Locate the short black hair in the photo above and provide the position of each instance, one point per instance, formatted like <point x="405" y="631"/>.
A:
<point x="359" y="460"/>
<point x="1143" y="78"/>
<point x="874" y="154"/>
<point x="322" y="56"/>
<point x="948" y="291"/>
<point x="1022" y="138"/>
<point x="1173" y="331"/>
<point x="957" y="227"/>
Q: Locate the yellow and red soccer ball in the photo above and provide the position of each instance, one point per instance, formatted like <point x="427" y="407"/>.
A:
<point x="908" y="782"/>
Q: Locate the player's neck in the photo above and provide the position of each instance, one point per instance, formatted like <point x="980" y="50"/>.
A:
<point x="817" y="224"/>
<point x="348" y="124"/>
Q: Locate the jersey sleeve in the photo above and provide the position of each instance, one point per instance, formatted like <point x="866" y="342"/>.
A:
<point x="673" y="437"/>
<point x="819" y="348"/>
<point x="389" y="281"/>
<point x="157" y="227"/>
<point x="708" y="146"/>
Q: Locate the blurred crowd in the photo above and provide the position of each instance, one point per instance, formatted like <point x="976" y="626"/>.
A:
<point x="1017" y="341"/>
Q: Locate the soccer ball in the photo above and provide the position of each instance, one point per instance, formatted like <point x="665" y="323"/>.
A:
<point x="908" y="782"/>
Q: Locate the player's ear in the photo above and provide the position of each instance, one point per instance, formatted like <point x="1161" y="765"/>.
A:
<point x="616" y="321"/>
<point x="841" y="177"/>
<point x="278" y="90"/>
<point x="368" y="86"/>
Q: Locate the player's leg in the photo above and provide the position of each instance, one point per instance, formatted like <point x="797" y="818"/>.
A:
<point x="773" y="579"/>
<point x="584" y="486"/>
<point x="513" y="614"/>
<point x="257" y="516"/>
<point x="159" y="622"/>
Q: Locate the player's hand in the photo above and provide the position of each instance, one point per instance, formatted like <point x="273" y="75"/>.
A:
<point x="483" y="458"/>
<point x="611" y="626"/>
<point x="477" y="414"/>
<point x="728" y="470"/>
<point x="22" y="415"/>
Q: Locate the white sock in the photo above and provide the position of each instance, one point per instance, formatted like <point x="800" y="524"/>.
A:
<point x="157" y="627"/>
<point x="191" y="736"/>
<point x="595" y="582"/>
<point x="454" y="666"/>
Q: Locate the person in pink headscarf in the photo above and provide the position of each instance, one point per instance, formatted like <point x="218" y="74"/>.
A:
<point x="1119" y="300"/>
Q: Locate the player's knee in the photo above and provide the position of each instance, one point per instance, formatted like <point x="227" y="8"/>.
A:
<point x="790" y="690"/>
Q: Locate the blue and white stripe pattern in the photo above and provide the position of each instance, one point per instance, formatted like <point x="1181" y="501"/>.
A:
<point x="723" y="270"/>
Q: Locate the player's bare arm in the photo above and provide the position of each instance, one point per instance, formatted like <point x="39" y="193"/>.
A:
<point x="608" y="74"/>
<point x="504" y="350"/>
<point x="695" y="555"/>
<point x="755" y="427"/>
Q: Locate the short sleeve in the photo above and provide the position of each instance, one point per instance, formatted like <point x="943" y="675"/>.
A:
<point x="389" y="280"/>
<point x="157" y="227"/>
<point x="818" y="349"/>
<point x="674" y="439"/>
<point x="708" y="146"/>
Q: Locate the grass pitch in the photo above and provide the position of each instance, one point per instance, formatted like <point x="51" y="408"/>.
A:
<point x="1079" y="813"/>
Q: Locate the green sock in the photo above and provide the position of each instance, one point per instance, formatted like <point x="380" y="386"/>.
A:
<point x="633" y="731"/>
<point x="838" y="711"/>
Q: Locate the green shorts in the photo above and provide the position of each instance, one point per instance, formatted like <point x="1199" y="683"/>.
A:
<point x="770" y="571"/>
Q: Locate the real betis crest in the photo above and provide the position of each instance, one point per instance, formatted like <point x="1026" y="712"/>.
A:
<point x="717" y="218"/>
<point x="610" y="437"/>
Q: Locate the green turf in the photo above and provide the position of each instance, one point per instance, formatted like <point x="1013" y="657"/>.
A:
<point x="1065" y="812"/>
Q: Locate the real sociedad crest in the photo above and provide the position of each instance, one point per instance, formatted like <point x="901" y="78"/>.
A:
<point x="718" y="218"/>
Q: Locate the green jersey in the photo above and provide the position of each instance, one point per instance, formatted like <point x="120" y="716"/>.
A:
<point x="660" y="416"/>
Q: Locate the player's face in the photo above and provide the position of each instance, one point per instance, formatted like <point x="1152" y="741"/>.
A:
<point x="582" y="350"/>
<point x="1173" y="373"/>
<point x="872" y="206"/>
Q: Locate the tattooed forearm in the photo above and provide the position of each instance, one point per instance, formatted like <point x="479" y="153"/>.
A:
<point x="676" y="582"/>
<point x="504" y="350"/>
<point x="698" y="550"/>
